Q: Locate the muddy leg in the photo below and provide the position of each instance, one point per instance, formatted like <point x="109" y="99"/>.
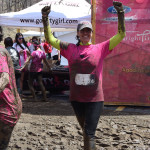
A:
<point x="42" y="86"/>
<point x="30" y="83"/>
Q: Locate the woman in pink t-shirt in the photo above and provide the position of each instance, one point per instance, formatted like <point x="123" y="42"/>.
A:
<point x="36" y="68"/>
<point x="85" y="69"/>
<point x="10" y="102"/>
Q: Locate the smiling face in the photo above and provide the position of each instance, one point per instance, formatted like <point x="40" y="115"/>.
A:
<point x="85" y="35"/>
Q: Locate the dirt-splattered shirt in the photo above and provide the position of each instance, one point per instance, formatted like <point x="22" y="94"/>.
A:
<point x="85" y="67"/>
<point x="10" y="102"/>
<point x="37" y="57"/>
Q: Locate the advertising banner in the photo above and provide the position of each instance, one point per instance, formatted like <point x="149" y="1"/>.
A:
<point x="126" y="72"/>
<point x="64" y="14"/>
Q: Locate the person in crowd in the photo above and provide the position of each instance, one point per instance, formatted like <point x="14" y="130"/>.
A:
<point x="56" y="56"/>
<point x="15" y="58"/>
<point x="29" y="42"/>
<point x="85" y="69"/>
<point x="10" y="102"/>
<point x="56" y="53"/>
<point x="32" y="48"/>
<point x="36" y="69"/>
<point x="48" y="49"/>
<point x="21" y="46"/>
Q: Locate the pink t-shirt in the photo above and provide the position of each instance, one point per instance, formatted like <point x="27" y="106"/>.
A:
<point x="36" y="65"/>
<point x="85" y="67"/>
<point x="10" y="102"/>
<point x="28" y="44"/>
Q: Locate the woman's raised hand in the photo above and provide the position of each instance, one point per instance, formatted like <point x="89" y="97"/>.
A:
<point x="118" y="6"/>
<point x="46" y="10"/>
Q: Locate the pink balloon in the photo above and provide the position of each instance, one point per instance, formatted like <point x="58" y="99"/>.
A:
<point x="139" y="1"/>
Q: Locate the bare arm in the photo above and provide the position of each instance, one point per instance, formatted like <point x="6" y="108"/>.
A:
<point x="47" y="30"/>
<point x="115" y="40"/>
<point x="47" y="64"/>
<point x="58" y="55"/>
<point x="4" y="80"/>
<point x="27" y="62"/>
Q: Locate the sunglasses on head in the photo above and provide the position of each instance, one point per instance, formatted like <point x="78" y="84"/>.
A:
<point x="20" y="38"/>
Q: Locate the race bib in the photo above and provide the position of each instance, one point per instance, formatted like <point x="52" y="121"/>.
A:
<point x="85" y="79"/>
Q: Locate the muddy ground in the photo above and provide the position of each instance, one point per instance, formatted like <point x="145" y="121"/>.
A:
<point x="52" y="126"/>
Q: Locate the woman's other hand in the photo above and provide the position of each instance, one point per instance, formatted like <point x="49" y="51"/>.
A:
<point x="46" y="10"/>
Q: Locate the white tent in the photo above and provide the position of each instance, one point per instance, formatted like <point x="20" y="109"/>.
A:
<point x="32" y="33"/>
<point x="36" y="33"/>
<point x="65" y="14"/>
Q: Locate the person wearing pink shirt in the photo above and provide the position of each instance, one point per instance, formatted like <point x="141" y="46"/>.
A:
<point x="36" y="69"/>
<point x="29" y="42"/>
<point x="85" y="68"/>
<point x="10" y="102"/>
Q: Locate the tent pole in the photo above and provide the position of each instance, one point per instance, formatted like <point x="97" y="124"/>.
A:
<point x="18" y="30"/>
<point x="40" y="35"/>
<point x="93" y="19"/>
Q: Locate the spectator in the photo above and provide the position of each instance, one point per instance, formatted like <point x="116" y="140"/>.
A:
<point x="21" y="46"/>
<point x="15" y="58"/>
<point x="29" y="43"/>
<point x="36" y="69"/>
<point x="10" y="102"/>
<point x="32" y="48"/>
<point x="48" y="49"/>
<point x="56" y="56"/>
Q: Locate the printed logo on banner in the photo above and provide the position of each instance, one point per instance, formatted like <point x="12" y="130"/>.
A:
<point x="113" y="10"/>
<point x="60" y="2"/>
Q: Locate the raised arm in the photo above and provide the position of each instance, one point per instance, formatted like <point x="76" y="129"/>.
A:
<point x="115" y="40"/>
<point x="47" y="30"/>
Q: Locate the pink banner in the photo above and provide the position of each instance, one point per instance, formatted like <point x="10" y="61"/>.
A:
<point x="126" y="77"/>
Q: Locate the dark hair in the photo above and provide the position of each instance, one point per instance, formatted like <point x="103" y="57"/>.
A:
<point x="1" y="33"/>
<point x="8" y="42"/>
<point x="36" y="44"/>
<point x="35" y="37"/>
<point x="77" y="38"/>
<point x="24" y="42"/>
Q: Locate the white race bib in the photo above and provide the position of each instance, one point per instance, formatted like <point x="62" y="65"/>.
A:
<point x="85" y="79"/>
